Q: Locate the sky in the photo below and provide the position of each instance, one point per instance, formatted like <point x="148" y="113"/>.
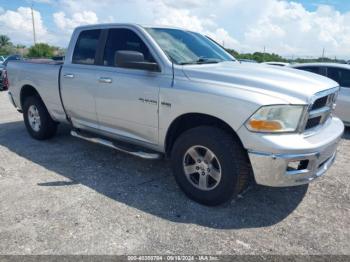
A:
<point x="292" y="28"/>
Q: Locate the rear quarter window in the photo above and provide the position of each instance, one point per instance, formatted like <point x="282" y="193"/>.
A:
<point x="86" y="46"/>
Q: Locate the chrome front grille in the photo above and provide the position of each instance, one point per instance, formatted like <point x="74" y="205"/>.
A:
<point x="320" y="109"/>
<point x="319" y="103"/>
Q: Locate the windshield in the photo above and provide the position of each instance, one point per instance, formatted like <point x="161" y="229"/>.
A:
<point x="184" y="47"/>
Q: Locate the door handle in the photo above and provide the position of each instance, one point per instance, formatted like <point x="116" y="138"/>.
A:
<point x="105" y="80"/>
<point x="68" y="76"/>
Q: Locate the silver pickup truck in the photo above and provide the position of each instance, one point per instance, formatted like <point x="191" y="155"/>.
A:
<point x="156" y="91"/>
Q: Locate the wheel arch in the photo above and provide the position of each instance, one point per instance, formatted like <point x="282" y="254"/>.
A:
<point x="190" y="120"/>
<point x="27" y="91"/>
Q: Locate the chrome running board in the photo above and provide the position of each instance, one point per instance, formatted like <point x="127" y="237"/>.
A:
<point x="101" y="141"/>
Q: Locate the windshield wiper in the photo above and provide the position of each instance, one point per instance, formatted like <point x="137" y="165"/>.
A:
<point x="202" y="61"/>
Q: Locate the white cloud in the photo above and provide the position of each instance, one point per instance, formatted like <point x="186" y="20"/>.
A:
<point x="221" y="36"/>
<point x="41" y="1"/>
<point x="282" y="26"/>
<point x="101" y="6"/>
<point x="185" y="3"/>
<point x="160" y="12"/>
<point x="180" y="18"/>
<point x="174" y="15"/>
<point x="18" y="26"/>
<point x="67" y="24"/>
<point x="288" y="28"/>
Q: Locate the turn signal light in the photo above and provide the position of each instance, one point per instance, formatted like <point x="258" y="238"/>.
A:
<point x="265" y="125"/>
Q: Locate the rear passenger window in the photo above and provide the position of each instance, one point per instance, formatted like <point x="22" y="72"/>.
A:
<point x="85" y="49"/>
<point x="124" y="40"/>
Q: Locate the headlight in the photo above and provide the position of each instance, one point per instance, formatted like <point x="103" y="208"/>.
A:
<point x="276" y="118"/>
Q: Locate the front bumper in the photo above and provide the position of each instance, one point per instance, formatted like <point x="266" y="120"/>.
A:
<point x="294" y="159"/>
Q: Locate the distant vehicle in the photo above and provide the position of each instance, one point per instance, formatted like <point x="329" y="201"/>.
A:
<point x="276" y="63"/>
<point x="2" y="76"/>
<point x="154" y="92"/>
<point x="3" y="65"/>
<point x="12" y="58"/>
<point x="58" y="58"/>
<point x="2" y="59"/>
<point x="339" y="73"/>
<point x="247" y="61"/>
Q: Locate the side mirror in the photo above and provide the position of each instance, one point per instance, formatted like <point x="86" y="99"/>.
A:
<point x="134" y="60"/>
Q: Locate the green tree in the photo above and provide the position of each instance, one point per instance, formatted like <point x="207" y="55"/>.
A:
<point x="6" y="47"/>
<point x="8" y="50"/>
<point x="257" y="56"/>
<point x="234" y="53"/>
<point x="19" y="46"/>
<point x="41" y="51"/>
<point x="4" y="41"/>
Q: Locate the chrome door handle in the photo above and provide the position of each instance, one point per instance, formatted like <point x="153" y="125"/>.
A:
<point x="68" y="76"/>
<point x="105" y="80"/>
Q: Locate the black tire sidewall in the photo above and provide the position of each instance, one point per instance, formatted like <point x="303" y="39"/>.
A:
<point x="220" y="143"/>
<point x="47" y="127"/>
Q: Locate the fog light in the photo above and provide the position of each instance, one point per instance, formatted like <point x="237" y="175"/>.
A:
<point x="292" y="166"/>
<point x="297" y="165"/>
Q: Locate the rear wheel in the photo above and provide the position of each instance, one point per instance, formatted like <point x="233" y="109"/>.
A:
<point x="210" y="165"/>
<point x="37" y="119"/>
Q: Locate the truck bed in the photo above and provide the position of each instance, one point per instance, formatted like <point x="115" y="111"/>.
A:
<point x="43" y="74"/>
<point x="41" y="61"/>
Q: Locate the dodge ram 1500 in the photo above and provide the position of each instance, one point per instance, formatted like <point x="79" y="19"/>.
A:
<point x="158" y="91"/>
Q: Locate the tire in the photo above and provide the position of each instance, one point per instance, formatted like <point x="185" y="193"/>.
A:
<point x="44" y="127"/>
<point x="230" y="158"/>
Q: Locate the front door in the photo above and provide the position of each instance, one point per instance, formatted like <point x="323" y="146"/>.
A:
<point x="127" y="99"/>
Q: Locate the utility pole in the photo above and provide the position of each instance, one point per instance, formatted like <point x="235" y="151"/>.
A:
<point x="323" y="51"/>
<point x="264" y="54"/>
<point x="33" y="21"/>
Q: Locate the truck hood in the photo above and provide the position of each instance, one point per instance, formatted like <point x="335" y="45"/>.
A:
<point x="283" y="82"/>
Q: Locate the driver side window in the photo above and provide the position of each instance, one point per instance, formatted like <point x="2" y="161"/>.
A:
<point x="120" y="39"/>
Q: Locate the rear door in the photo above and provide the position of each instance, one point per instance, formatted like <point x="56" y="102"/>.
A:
<point x="78" y="80"/>
<point x="342" y="76"/>
<point x="127" y="99"/>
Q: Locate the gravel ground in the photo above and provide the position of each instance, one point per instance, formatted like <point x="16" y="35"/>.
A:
<point x="67" y="196"/>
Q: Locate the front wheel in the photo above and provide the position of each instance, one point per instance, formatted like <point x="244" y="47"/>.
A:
<point x="37" y="119"/>
<point x="210" y="165"/>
